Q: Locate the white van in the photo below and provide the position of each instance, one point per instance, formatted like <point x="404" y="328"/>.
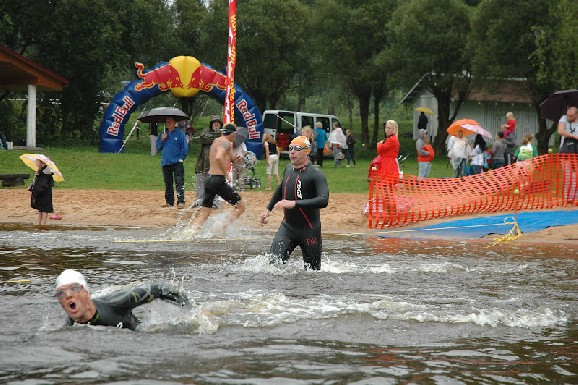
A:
<point x="284" y="124"/>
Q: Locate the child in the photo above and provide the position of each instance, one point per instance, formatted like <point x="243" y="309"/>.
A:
<point x="526" y="150"/>
<point x="41" y="189"/>
<point x="350" y="152"/>
<point x="272" y="158"/>
<point x="427" y="159"/>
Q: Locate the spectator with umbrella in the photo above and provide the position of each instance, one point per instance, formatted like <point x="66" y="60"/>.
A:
<point x="41" y="186"/>
<point x="174" y="149"/>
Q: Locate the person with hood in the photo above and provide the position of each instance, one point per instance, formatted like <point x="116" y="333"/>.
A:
<point x="424" y="156"/>
<point x="337" y="141"/>
<point x="202" y="168"/>
<point x="114" y="309"/>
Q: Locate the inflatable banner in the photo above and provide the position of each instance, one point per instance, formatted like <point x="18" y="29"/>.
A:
<point x="184" y="76"/>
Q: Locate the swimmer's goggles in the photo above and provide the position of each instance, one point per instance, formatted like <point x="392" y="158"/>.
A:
<point x="75" y="288"/>
<point x="296" y="147"/>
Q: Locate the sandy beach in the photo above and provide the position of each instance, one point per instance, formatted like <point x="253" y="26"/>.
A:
<point x="143" y="208"/>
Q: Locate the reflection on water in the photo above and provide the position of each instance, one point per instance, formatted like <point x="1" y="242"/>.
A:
<point x="381" y="311"/>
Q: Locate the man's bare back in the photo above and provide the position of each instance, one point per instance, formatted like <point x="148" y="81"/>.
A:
<point x="220" y="156"/>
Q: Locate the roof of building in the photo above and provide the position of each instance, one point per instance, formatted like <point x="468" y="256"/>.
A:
<point x="17" y="72"/>
<point x="512" y="90"/>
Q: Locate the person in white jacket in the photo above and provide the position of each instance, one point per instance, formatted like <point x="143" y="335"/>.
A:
<point x="337" y="141"/>
<point x="459" y="152"/>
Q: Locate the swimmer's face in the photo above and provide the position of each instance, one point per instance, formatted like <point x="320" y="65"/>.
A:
<point x="298" y="156"/>
<point x="75" y="301"/>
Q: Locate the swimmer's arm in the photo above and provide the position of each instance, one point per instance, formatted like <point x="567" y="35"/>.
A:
<point x="275" y="198"/>
<point x="129" y="299"/>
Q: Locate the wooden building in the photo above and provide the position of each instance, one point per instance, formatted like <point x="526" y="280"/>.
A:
<point x="18" y="73"/>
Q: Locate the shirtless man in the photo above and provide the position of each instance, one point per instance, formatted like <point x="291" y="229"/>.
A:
<point x="216" y="184"/>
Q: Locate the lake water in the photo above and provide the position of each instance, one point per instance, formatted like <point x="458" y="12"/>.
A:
<point x="381" y="311"/>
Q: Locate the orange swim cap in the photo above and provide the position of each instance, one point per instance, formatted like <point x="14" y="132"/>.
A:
<point x="302" y="142"/>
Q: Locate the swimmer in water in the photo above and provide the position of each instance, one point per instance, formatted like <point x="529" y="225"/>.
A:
<point x="302" y="192"/>
<point x="113" y="309"/>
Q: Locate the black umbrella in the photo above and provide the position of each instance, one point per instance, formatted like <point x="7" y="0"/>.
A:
<point x="557" y="104"/>
<point x="240" y="136"/>
<point x="159" y="114"/>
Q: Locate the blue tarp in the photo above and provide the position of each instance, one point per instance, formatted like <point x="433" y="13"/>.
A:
<point x="528" y="222"/>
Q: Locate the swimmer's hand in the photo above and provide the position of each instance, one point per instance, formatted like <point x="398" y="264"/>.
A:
<point x="176" y="299"/>
<point x="265" y="217"/>
<point x="284" y="204"/>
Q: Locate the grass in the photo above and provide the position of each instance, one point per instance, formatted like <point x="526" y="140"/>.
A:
<point x="136" y="169"/>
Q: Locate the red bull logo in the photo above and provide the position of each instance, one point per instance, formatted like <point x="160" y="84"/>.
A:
<point x="168" y="77"/>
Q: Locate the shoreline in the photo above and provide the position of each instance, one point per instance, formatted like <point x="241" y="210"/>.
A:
<point x="142" y="208"/>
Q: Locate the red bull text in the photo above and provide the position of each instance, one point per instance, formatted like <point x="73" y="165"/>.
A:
<point x="119" y="114"/>
<point x="249" y="119"/>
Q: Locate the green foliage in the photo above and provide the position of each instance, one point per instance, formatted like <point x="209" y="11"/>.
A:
<point x="501" y="43"/>
<point x="429" y="37"/>
<point x="533" y="42"/>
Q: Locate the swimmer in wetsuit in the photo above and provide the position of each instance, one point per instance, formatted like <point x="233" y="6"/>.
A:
<point x="301" y="194"/>
<point x="114" y="309"/>
<point x="216" y="183"/>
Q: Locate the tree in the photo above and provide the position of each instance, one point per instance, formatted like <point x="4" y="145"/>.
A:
<point x="351" y="37"/>
<point x="269" y="43"/>
<point x="535" y="41"/>
<point x="89" y="42"/>
<point x="429" y="38"/>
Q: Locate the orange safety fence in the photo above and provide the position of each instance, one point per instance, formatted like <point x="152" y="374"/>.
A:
<point x="543" y="182"/>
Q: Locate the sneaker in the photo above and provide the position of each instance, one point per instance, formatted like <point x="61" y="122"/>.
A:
<point x="166" y="205"/>
<point x="348" y="166"/>
<point x="180" y="206"/>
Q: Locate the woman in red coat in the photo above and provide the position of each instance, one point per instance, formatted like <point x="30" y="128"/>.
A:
<point x="389" y="151"/>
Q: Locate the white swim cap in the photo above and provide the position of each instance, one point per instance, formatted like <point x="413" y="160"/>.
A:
<point x="69" y="276"/>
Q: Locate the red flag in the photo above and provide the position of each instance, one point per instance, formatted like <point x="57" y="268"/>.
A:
<point x="229" y="113"/>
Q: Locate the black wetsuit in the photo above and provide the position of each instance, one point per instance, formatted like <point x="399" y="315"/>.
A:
<point x="301" y="225"/>
<point x="115" y="309"/>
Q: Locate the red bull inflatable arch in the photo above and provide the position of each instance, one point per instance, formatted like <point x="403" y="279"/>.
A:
<point x="184" y="76"/>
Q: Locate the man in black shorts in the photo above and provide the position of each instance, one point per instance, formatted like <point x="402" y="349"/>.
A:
<point x="114" y="309"/>
<point x="301" y="194"/>
<point x="216" y="183"/>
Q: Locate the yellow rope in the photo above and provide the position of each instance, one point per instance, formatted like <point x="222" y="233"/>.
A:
<point x="513" y="234"/>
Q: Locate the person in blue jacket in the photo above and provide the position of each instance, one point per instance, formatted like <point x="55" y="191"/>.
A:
<point x="174" y="147"/>
<point x="320" y="139"/>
